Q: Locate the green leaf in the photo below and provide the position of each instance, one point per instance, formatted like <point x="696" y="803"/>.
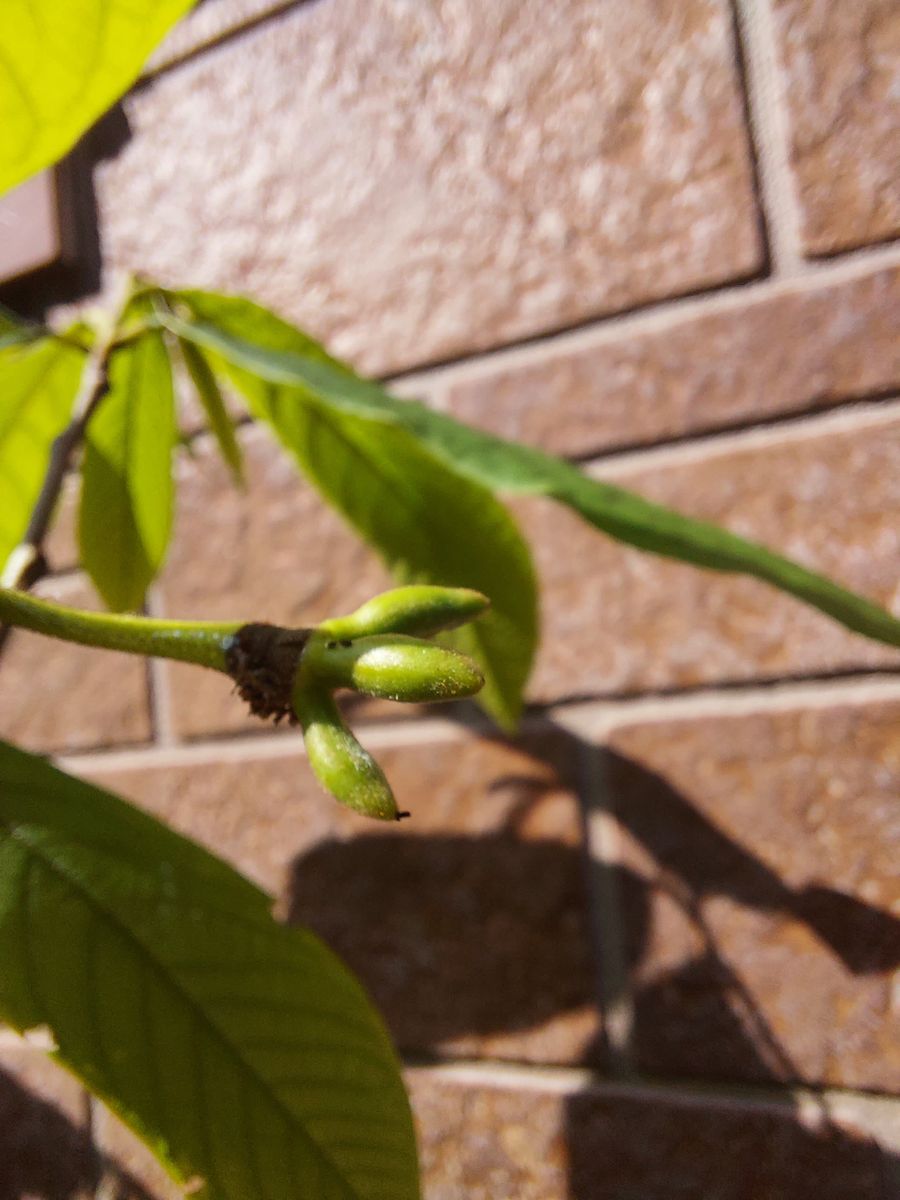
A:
<point x="430" y="523"/>
<point x="210" y="396"/>
<point x="62" y="64"/>
<point x="38" y="384"/>
<point x="127" y="492"/>
<point x="243" y="1052"/>
<point x="508" y="467"/>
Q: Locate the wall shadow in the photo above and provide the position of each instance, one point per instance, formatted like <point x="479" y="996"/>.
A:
<point x="79" y="273"/>
<point x="44" y="1155"/>
<point x="459" y="936"/>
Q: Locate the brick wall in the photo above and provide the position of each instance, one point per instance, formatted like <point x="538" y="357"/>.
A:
<point x="644" y="949"/>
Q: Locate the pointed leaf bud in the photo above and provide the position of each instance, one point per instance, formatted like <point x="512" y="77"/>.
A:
<point x="340" y="763"/>
<point x="417" y="610"/>
<point x="393" y="668"/>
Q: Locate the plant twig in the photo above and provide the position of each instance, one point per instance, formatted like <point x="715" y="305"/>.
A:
<point x="27" y="563"/>
<point x="203" y="642"/>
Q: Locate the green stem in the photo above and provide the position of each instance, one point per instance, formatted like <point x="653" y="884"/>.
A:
<point x="201" y="642"/>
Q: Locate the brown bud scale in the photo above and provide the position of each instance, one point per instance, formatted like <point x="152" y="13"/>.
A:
<point x="262" y="660"/>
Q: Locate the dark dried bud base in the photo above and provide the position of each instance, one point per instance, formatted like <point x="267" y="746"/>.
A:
<point x="262" y="660"/>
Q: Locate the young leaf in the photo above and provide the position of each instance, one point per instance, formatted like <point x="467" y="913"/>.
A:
<point x="127" y="492"/>
<point x="38" y="383"/>
<point x="431" y="524"/>
<point x="242" y="1051"/>
<point x="62" y="65"/>
<point x="508" y="467"/>
<point x="210" y="397"/>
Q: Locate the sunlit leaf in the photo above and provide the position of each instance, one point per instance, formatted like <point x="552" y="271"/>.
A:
<point x="127" y="492"/>
<point x="38" y="384"/>
<point x="62" y="64"/>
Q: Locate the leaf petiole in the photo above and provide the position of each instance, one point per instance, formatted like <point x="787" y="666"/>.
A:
<point x="202" y="642"/>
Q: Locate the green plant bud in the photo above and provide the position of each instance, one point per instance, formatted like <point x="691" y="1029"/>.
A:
<point x="340" y="763"/>
<point x="393" y="667"/>
<point x="417" y="610"/>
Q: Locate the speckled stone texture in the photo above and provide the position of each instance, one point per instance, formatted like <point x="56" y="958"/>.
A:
<point x="841" y="86"/>
<point x="412" y="181"/>
<point x="467" y="956"/>
<point x="806" y="348"/>
<point x="57" y="696"/>
<point x="618" y="621"/>
<point x="760" y="894"/>
<point x="482" y="1142"/>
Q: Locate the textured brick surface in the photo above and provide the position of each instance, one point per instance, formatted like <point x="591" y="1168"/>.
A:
<point x="442" y="917"/>
<point x="485" y="1142"/>
<point x="416" y="181"/>
<point x="617" y="620"/>
<point x="272" y="553"/>
<point x="420" y="181"/>
<point x="806" y="348"/>
<point x="59" y="696"/>
<point x="841" y="69"/>
<point x="760" y="894"/>
<point x="45" y="1151"/>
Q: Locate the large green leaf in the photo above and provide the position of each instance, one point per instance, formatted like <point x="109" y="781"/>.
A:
<point x="242" y="1051"/>
<point x="430" y="523"/>
<point x="62" y="64"/>
<point x="512" y="468"/>
<point x="38" y="383"/>
<point x="127" y="491"/>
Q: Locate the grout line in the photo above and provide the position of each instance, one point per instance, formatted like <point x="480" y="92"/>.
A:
<point x="655" y="317"/>
<point x="713" y="431"/>
<point x="768" y="120"/>
<point x="589" y="719"/>
<point x="39" y="1038"/>
<point x="160" y="62"/>
<point x="602" y="836"/>
<point x="593" y="719"/>
<point x="850" y="419"/>
<point x="812" y="1104"/>
<point x="159" y="692"/>
<point x="255" y="747"/>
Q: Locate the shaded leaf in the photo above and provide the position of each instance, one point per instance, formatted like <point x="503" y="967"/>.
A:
<point x="512" y="468"/>
<point x="210" y="396"/>
<point x="38" y="384"/>
<point x="62" y="64"/>
<point x="127" y="491"/>
<point x="431" y="524"/>
<point x="242" y="1051"/>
